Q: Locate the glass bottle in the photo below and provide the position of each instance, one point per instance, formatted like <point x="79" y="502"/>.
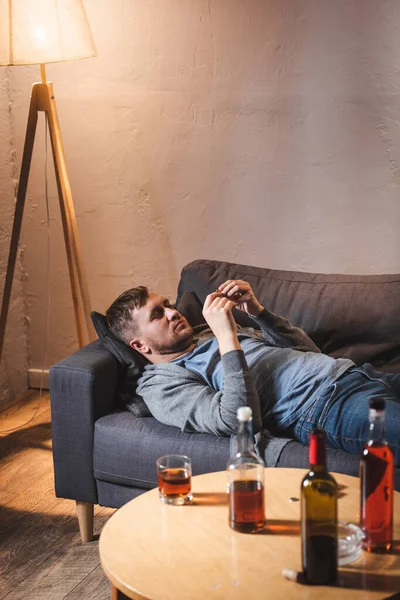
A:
<point x="377" y="475"/>
<point x="319" y="516"/>
<point x="245" y="472"/>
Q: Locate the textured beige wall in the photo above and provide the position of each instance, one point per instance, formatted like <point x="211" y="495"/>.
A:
<point x="15" y="358"/>
<point x="255" y="131"/>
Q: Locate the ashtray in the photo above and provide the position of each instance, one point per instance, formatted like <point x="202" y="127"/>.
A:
<point x="350" y="539"/>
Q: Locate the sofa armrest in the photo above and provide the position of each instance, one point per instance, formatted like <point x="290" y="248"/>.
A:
<point x="82" y="389"/>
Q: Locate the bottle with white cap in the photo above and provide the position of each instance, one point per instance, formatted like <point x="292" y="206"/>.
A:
<point x="246" y="479"/>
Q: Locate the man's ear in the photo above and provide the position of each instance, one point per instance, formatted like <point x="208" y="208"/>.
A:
<point x="139" y="346"/>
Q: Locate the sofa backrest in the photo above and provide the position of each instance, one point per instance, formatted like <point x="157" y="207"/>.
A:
<point x="352" y="316"/>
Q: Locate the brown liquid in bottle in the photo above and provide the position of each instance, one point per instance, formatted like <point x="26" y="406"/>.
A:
<point x="246" y="506"/>
<point x="376" y="470"/>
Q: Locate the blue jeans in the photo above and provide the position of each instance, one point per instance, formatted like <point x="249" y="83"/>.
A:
<point x="342" y="410"/>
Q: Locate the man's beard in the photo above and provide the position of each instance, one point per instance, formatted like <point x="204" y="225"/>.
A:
<point x="179" y="346"/>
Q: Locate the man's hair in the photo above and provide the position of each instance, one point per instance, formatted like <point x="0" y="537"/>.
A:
<point x="119" y="316"/>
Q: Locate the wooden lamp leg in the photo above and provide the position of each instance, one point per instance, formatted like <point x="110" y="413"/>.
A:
<point x="19" y="209"/>
<point x="79" y="287"/>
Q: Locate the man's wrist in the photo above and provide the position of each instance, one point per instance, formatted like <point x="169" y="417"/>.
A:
<point x="256" y="312"/>
<point x="227" y="344"/>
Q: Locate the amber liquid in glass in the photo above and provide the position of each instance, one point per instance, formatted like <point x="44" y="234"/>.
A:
<point x="246" y="506"/>
<point x="174" y="483"/>
<point x="376" y="515"/>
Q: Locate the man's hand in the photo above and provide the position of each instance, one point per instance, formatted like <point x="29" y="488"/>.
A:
<point x="242" y="295"/>
<point x="217" y="311"/>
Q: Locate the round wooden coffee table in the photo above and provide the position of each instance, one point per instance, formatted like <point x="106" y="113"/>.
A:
<point x="152" y="551"/>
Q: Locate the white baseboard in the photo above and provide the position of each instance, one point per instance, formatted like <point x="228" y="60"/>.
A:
<point x="37" y="378"/>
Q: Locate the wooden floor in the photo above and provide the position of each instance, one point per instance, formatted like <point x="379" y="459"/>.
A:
<point x="41" y="555"/>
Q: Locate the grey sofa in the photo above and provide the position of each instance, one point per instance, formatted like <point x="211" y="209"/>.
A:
<point x="104" y="454"/>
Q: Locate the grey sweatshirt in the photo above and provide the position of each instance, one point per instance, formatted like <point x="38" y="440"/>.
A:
<point x="179" y="397"/>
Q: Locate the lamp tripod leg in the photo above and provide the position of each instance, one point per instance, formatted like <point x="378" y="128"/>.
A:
<point x="77" y="273"/>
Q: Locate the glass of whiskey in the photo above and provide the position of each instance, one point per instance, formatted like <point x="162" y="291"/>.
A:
<point x="174" y="474"/>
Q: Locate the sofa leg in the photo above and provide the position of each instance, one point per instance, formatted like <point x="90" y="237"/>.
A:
<point x="84" y="511"/>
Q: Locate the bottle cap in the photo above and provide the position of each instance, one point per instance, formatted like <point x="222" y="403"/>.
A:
<point x="244" y="413"/>
<point x="377" y="403"/>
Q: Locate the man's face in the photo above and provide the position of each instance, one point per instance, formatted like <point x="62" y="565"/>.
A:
<point x="161" y="328"/>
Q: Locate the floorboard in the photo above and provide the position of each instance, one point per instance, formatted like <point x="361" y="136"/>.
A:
<point x="96" y="585"/>
<point x="41" y="554"/>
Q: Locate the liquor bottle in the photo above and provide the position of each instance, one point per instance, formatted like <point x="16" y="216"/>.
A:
<point x="377" y="475"/>
<point x="319" y="517"/>
<point x="245" y="473"/>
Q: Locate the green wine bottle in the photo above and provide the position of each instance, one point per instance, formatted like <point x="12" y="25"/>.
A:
<point x="319" y="517"/>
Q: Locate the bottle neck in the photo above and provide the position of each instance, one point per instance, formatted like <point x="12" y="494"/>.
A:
<point x="245" y="437"/>
<point x="376" y="426"/>
<point x="317" y="452"/>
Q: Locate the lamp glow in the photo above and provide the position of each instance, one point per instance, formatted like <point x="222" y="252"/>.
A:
<point x="43" y="31"/>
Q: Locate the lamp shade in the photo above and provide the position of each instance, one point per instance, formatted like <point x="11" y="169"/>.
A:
<point x="42" y="31"/>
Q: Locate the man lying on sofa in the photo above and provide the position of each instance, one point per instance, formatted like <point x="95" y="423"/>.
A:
<point x="196" y="380"/>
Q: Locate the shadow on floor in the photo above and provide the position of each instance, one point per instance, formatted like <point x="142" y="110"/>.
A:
<point x="31" y="437"/>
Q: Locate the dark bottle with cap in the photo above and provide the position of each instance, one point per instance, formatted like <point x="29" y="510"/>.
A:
<point x="377" y="478"/>
<point x="319" y="517"/>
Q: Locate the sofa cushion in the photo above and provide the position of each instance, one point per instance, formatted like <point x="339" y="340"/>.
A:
<point x="190" y="307"/>
<point x="351" y="316"/>
<point x="126" y="449"/>
<point x="131" y="365"/>
<point x="296" y="455"/>
<point x="116" y="495"/>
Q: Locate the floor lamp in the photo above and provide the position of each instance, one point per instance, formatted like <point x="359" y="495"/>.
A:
<point x="38" y="32"/>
